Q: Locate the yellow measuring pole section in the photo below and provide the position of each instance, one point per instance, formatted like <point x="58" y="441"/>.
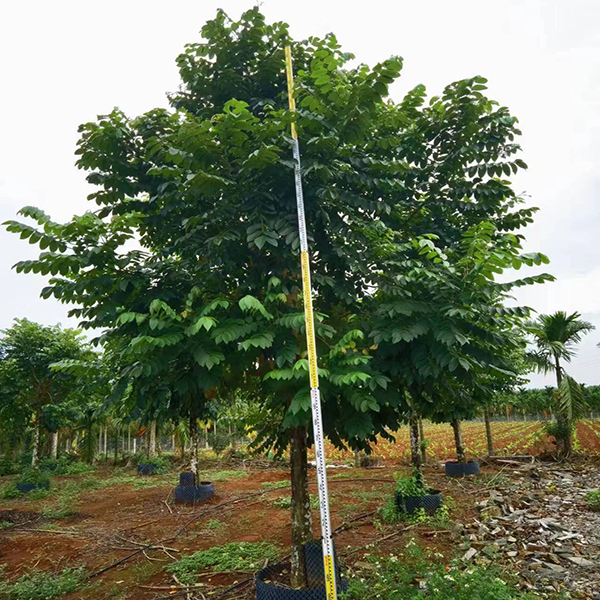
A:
<point x="330" y="584"/>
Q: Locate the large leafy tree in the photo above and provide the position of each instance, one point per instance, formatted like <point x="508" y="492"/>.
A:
<point x="556" y="337"/>
<point x="27" y="352"/>
<point x="405" y="205"/>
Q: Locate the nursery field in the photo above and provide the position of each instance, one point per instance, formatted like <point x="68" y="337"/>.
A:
<point x="510" y="437"/>
<point x="110" y="534"/>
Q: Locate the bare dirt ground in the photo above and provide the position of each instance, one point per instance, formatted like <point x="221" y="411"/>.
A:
<point x="529" y="518"/>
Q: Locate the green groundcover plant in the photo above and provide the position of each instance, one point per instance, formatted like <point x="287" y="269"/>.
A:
<point x="419" y="575"/>
<point x="236" y="556"/>
<point x="39" y="585"/>
<point x="593" y="500"/>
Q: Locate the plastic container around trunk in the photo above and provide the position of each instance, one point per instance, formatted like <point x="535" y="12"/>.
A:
<point x="147" y="469"/>
<point x="429" y="503"/>
<point x="25" y="488"/>
<point x="194" y="494"/>
<point x="458" y="469"/>
<point x="267" y="588"/>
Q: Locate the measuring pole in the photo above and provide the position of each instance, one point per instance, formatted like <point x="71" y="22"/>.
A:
<point x="330" y="584"/>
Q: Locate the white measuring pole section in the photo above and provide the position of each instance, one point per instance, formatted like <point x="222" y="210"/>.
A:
<point x="330" y="583"/>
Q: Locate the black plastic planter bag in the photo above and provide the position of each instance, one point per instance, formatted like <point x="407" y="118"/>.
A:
<point x="429" y="503"/>
<point x="268" y="588"/>
<point x="147" y="469"/>
<point x="458" y="469"/>
<point x="188" y="493"/>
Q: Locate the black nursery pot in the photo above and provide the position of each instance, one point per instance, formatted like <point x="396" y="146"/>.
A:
<point x="148" y="469"/>
<point x="193" y="494"/>
<point x="186" y="479"/>
<point x="315" y="572"/>
<point x="25" y="488"/>
<point x="429" y="503"/>
<point x="458" y="469"/>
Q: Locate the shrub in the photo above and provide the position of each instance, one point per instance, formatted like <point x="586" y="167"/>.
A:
<point x="64" y="465"/>
<point x="34" y="476"/>
<point x="38" y="585"/>
<point x="411" y="486"/>
<point x="8" y="492"/>
<point x="593" y="500"/>
<point x="7" y="466"/>
<point x="559" y="431"/>
<point x="237" y="556"/>
<point x="218" y="442"/>
<point x="162" y="463"/>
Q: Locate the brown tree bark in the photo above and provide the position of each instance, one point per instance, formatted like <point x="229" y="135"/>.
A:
<point x="301" y="517"/>
<point x="422" y="442"/>
<point x="458" y="441"/>
<point x="152" y="440"/>
<point x="54" y="445"/>
<point x="415" y="451"/>
<point x="488" y="432"/>
<point x="37" y="427"/>
<point x="194" y="447"/>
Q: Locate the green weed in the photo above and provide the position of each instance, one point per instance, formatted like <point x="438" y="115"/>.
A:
<point x="286" y="502"/>
<point x="593" y="500"/>
<point x="215" y="525"/>
<point x="39" y="585"/>
<point x="406" y="578"/>
<point x="236" y="556"/>
<point x="275" y="485"/>
<point x="6" y="524"/>
<point x="225" y="475"/>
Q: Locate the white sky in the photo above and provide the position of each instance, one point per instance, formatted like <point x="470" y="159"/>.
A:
<point x="64" y="62"/>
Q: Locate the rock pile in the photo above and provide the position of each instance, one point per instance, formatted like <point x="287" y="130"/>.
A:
<point x="540" y="525"/>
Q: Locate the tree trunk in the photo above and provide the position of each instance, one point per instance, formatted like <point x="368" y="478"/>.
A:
<point x="206" y="436"/>
<point x="129" y="439"/>
<point x="100" y="440"/>
<point x="67" y="445"/>
<point x="54" y="446"/>
<point x="422" y="442"/>
<point x="194" y="447"/>
<point x="564" y="444"/>
<point x="415" y="451"/>
<point x="458" y="441"/>
<point x="106" y="442"/>
<point x="301" y="517"/>
<point x="152" y="440"/>
<point x="116" y="446"/>
<point x="37" y="426"/>
<point x="134" y="444"/>
<point x="488" y="432"/>
<point x="356" y="459"/>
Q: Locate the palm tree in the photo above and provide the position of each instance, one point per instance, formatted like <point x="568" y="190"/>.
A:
<point x="556" y="336"/>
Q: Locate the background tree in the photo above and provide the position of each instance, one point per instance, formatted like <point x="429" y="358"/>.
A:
<point x="555" y="337"/>
<point x="27" y="352"/>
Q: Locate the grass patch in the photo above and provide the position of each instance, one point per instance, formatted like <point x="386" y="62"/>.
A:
<point x="226" y="475"/>
<point x="275" y="485"/>
<point x="5" y="525"/>
<point x="286" y="503"/>
<point x="237" y="556"/>
<point x="368" y="495"/>
<point x="39" y="585"/>
<point x="215" y="525"/>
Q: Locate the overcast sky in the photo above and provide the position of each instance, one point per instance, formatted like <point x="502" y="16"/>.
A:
<point x="64" y="62"/>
